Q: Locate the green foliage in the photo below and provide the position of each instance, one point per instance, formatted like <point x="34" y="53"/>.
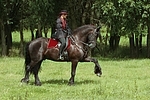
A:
<point x="30" y="12"/>
<point x="124" y="17"/>
<point x="122" y="79"/>
<point x="39" y="11"/>
<point x="1" y="8"/>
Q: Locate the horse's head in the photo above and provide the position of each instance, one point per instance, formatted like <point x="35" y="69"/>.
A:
<point x="92" y="37"/>
<point x="87" y="35"/>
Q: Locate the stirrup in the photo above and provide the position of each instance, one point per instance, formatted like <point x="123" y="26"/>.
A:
<point x="61" y="58"/>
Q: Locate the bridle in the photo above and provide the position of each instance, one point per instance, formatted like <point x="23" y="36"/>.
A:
<point x="74" y="41"/>
<point x="93" y="34"/>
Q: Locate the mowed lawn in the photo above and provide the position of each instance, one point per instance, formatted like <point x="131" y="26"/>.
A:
<point x="121" y="80"/>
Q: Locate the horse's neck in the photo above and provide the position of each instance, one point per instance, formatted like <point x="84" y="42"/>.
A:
<point x="78" y="41"/>
<point x="77" y="38"/>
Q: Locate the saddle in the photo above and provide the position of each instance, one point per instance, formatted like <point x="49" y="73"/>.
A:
<point x="54" y="43"/>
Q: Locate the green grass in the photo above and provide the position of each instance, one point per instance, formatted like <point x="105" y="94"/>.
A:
<point x="121" y="80"/>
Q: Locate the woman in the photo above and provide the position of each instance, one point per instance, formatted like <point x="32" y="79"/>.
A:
<point x="62" y="31"/>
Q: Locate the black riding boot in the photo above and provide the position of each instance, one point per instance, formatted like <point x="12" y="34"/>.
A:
<point x="62" y="46"/>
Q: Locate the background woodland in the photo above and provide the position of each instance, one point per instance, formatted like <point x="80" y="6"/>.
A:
<point x="118" y="18"/>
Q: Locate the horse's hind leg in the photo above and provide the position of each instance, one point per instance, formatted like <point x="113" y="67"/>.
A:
<point x="27" y="71"/>
<point x="35" y="72"/>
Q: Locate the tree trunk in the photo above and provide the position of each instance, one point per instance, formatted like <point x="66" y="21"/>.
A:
<point x="88" y="13"/>
<point x="137" y="47"/>
<point x="8" y="36"/>
<point x="72" y="19"/>
<point x="53" y="29"/>
<point x="4" y="46"/>
<point x="111" y="43"/>
<point x="45" y="31"/>
<point x="114" y="42"/>
<point x="21" y="40"/>
<point x="131" y="41"/>
<point x="140" y="44"/>
<point x="86" y="16"/>
<point x="39" y="31"/>
<point x="32" y="33"/>
<point x="117" y="40"/>
<point x="148" y="42"/>
<point x="0" y="35"/>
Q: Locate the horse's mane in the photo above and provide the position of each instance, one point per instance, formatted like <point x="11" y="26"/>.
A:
<point x="83" y="29"/>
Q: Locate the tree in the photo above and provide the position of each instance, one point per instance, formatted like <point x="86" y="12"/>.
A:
<point x="2" y="28"/>
<point x="9" y="21"/>
<point x="124" y="17"/>
<point x="4" y="47"/>
<point x="80" y="12"/>
<point x="40" y="15"/>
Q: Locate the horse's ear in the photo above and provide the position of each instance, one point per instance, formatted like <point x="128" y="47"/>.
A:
<point x="98" y="28"/>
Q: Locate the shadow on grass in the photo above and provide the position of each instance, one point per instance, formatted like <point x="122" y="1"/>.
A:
<point x="65" y="82"/>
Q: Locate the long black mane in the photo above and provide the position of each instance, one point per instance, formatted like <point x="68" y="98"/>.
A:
<point x="83" y="29"/>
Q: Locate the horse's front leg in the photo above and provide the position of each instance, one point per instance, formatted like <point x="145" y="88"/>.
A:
<point x="97" y="69"/>
<point x="73" y="71"/>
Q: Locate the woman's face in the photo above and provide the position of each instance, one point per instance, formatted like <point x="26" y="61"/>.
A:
<point x="65" y="16"/>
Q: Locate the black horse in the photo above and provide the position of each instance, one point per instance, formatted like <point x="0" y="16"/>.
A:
<point x="81" y="40"/>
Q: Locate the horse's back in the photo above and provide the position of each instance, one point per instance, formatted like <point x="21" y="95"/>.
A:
<point x="39" y="44"/>
<point x="39" y="40"/>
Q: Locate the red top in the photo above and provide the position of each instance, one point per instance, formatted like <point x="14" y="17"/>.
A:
<point x="63" y="23"/>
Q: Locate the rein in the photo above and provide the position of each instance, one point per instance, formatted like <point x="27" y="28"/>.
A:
<point x="74" y="41"/>
<point x="86" y="44"/>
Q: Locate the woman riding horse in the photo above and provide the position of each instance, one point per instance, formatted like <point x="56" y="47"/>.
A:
<point x="62" y="31"/>
<point x="81" y="39"/>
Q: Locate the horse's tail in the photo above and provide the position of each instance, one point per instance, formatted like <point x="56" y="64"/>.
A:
<point x="27" y="55"/>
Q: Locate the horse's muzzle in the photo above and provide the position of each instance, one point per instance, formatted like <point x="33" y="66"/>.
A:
<point x="92" y="45"/>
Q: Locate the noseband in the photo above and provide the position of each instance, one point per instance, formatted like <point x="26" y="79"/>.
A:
<point x="92" y="35"/>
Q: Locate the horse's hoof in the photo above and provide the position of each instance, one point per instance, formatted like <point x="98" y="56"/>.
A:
<point x="38" y="84"/>
<point x="70" y="83"/>
<point x="25" y="80"/>
<point x="98" y="74"/>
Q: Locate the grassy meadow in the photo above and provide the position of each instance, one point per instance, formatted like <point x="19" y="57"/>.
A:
<point x="121" y="80"/>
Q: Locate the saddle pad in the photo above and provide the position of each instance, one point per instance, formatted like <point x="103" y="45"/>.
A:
<point x="52" y="43"/>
